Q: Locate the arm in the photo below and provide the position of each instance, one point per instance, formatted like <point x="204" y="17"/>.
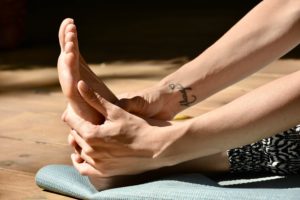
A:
<point x="127" y="144"/>
<point x="266" y="33"/>
<point x="240" y="52"/>
<point x="259" y="114"/>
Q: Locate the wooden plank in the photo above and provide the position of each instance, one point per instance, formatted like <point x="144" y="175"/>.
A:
<point x="17" y="185"/>
<point x="27" y="156"/>
<point x="283" y="67"/>
<point x="35" y="127"/>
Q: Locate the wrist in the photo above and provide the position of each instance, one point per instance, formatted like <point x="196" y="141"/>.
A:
<point x="190" y="139"/>
<point x="164" y="101"/>
<point x="177" y="96"/>
<point x="175" y="145"/>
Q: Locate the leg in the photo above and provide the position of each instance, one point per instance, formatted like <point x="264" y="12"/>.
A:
<point x="217" y="163"/>
<point x="279" y="154"/>
<point x="71" y="69"/>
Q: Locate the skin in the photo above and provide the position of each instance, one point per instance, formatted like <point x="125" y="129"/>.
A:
<point x="71" y="68"/>
<point x="127" y="138"/>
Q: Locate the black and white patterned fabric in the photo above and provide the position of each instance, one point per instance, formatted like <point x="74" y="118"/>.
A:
<point x="279" y="154"/>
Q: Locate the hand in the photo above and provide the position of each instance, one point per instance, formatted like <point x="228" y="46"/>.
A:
<point x="154" y="102"/>
<point x="125" y="144"/>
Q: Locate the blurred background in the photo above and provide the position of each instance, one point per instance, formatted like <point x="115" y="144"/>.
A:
<point x="112" y="30"/>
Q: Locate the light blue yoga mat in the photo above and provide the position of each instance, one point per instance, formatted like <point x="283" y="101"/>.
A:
<point x="67" y="181"/>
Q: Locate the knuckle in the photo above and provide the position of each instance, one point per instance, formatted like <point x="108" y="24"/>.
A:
<point x="92" y="97"/>
<point x="115" y="112"/>
<point x="88" y="151"/>
<point x="119" y="125"/>
<point x="71" y="140"/>
<point x="90" y="134"/>
<point x="88" y="137"/>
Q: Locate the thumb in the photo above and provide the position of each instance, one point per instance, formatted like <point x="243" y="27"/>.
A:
<point x="135" y="105"/>
<point x="94" y="99"/>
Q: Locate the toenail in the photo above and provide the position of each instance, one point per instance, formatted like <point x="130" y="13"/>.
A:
<point x="71" y="20"/>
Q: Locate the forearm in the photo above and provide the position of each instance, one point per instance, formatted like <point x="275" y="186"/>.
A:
<point x="259" y="114"/>
<point x="266" y="33"/>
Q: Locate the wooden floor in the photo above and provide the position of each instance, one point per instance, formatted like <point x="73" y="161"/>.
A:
<point x="32" y="135"/>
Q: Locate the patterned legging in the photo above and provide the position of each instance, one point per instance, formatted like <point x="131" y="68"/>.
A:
<point x="279" y="154"/>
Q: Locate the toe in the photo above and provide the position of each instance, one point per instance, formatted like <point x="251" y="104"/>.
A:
<point x="61" y="33"/>
<point x="72" y="35"/>
<point x="70" y="28"/>
<point x="70" y="62"/>
<point x="69" y="47"/>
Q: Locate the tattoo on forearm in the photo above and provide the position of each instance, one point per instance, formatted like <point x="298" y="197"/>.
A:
<point x="186" y="100"/>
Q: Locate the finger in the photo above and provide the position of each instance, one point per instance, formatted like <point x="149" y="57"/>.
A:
<point x="95" y="100"/>
<point x="78" y="151"/>
<point x="82" y="156"/>
<point x="71" y="140"/>
<point x="84" y="168"/>
<point x="76" y="147"/>
<point x="81" y="143"/>
<point x="133" y="105"/>
<point x="84" y="128"/>
<point x="78" y="158"/>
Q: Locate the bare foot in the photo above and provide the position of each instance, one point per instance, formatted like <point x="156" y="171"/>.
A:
<point x="72" y="68"/>
<point x="69" y="74"/>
